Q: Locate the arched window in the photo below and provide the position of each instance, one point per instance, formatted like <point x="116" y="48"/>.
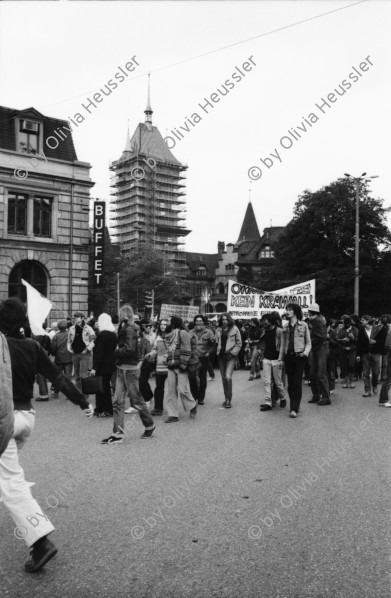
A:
<point x="31" y="272"/>
<point x="201" y="271"/>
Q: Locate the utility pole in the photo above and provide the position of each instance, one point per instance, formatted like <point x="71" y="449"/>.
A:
<point x="357" y="181"/>
<point x="118" y="300"/>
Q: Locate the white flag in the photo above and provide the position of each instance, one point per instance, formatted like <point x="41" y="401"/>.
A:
<point x="38" y="308"/>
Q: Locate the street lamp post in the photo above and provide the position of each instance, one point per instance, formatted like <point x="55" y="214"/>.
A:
<point x="357" y="181"/>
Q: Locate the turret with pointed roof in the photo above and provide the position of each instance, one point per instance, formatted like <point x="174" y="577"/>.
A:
<point x="249" y="231"/>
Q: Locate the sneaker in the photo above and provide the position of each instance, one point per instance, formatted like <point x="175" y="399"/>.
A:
<point x="148" y="433"/>
<point x="293" y="414"/>
<point x="41" y="552"/>
<point x="54" y="395"/>
<point x="374" y="390"/>
<point x="130" y="410"/>
<point x="104" y="414"/>
<point x="265" y="407"/>
<point x="384" y="404"/>
<point x="324" y="402"/>
<point x="282" y="403"/>
<point x="367" y="394"/>
<point x="251" y="378"/>
<point x="344" y="386"/>
<point x="352" y="386"/>
<point x="331" y="392"/>
<point x="212" y="378"/>
<point x="257" y="377"/>
<point x="113" y="440"/>
<point x="46" y="398"/>
<point x="171" y="420"/>
<point x="193" y="412"/>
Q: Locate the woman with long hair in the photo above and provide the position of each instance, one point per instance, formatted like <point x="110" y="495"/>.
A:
<point x="104" y="363"/>
<point x="229" y="342"/>
<point x="159" y="354"/>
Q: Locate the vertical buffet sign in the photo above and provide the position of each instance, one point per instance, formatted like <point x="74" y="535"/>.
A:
<point x="99" y="237"/>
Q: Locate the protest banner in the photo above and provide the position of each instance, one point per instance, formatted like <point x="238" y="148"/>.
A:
<point x="186" y="312"/>
<point x="245" y="302"/>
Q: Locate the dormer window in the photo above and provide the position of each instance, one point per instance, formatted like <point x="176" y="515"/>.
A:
<point x="201" y="271"/>
<point x="28" y="138"/>
<point x="266" y="252"/>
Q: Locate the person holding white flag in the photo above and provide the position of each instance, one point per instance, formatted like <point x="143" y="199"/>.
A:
<point x="27" y="359"/>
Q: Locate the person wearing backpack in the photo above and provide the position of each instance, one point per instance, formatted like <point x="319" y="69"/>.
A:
<point x="178" y="357"/>
<point x="127" y="357"/>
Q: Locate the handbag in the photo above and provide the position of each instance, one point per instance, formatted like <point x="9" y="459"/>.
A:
<point x="92" y="385"/>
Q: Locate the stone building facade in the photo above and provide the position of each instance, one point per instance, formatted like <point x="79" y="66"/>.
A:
<point x="44" y="211"/>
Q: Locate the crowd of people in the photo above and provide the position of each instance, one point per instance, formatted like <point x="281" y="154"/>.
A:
<point x="121" y="354"/>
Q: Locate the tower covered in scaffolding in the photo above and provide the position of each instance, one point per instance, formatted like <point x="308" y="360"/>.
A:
<point x="148" y="203"/>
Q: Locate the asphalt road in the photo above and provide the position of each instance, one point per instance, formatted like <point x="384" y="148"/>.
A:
<point x="236" y="503"/>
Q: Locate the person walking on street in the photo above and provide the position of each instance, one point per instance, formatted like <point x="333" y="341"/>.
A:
<point x="62" y="357"/>
<point x="27" y="359"/>
<point x="297" y="346"/>
<point x="204" y="340"/>
<point x="103" y="364"/>
<point x="370" y="345"/>
<point x="272" y="351"/>
<point x="253" y="336"/>
<point x="320" y="351"/>
<point x="159" y="357"/>
<point x="128" y="372"/>
<point x="347" y="336"/>
<point x="178" y="356"/>
<point x="80" y="343"/>
<point x="383" y="398"/>
<point x="229" y="343"/>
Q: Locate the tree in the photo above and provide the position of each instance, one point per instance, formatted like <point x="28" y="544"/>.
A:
<point x="146" y="269"/>
<point x="319" y="242"/>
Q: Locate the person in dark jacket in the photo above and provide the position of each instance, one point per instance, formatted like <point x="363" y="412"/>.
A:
<point x="103" y="364"/>
<point x="59" y="348"/>
<point x="347" y="336"/>
<point x="146" y="339"/>
<point x="44" y="341"/>
<point x="27" y="359"/>
<point x="334" y="350"/>
<point x="320" y="351"/>
<point x="128" y="372"/>
<point x="370" y="345"/>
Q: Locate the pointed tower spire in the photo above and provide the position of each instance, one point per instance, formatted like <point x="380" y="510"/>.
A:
<point x="128" y="147"/>
<point x="249" y="230"/>
<point x="148" y="110"/>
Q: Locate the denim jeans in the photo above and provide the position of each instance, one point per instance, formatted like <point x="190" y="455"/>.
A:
<point x="127" y="381"/>
<point x="42" y="385"/>
<point x="67" y="369"/>
<point x="347" y="361"/>
<point x="227" y="366"/>
<point x="178" y="383"/>
<point x="30" y="520"/>
<point x="370" y="363"/>
<point x="319" y="379"/>
<point x="80" y="367"/>
<point x="271" y="369"/>
<point x="294" y="367"/>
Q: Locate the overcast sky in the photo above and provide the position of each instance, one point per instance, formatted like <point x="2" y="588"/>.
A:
<point x="54" y="55"/>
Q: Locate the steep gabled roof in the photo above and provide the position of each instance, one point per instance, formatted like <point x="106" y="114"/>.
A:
<point x="209" y="260"/>
<point x="249" y="231"/>
<point x="65" y="149"/>
<point x="248" y="252"/>
<point x="147" y="140"/>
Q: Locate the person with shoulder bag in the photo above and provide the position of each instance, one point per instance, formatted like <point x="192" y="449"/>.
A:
<point x="229" y="342"/>
<point x="203" y="340"/>
<point x="158" y="356"/>
<point x="178" y="356"/>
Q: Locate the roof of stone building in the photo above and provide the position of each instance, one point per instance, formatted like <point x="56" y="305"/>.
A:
<point x="195" y="260"/>
<point x="147" y="140"/>
<point x="248" y="252"/>
<point x="249" y="230"/>
<point x="65" y="149"/>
